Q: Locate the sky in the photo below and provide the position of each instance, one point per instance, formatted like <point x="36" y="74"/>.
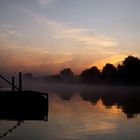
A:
<point x="45" y="36"/>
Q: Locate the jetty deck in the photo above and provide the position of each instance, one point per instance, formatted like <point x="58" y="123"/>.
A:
<point x="23" y="105"/>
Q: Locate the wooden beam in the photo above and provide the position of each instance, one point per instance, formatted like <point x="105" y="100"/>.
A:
<point x="13" y="83"/>
<point x="20" y="81"/>
<point x="7" y="81"/>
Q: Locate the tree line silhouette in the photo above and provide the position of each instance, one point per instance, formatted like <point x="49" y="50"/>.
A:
<point x="128" y="73"/>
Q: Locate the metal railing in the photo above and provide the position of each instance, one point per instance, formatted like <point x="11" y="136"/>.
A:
<point x="12" y="83"/>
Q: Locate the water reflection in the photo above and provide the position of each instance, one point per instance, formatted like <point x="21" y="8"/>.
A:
<point x="15" y="106"/>
<point x="85" y="114"/>
<point x="66" y="96"/>
<point x="90" y="96"/>
<point x="127" y="100"/>
<point x="10" y="130"/>
<point x="77" y="118"/>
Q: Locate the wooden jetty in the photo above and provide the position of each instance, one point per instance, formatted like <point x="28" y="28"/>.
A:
<point x="23" y="105"/>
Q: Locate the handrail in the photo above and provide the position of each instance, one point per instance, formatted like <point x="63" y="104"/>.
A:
<point x="8" y="82"/>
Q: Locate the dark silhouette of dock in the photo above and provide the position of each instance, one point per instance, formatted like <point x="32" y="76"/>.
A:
<point x="18" y="104"/>
<point x="24" y="105"/>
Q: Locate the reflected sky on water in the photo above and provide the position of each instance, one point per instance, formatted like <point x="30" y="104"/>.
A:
<point x="84" y="115"/>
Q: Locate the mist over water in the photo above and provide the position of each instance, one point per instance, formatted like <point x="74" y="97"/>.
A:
<point x="82" y="112"/>
<point x="126" y="98"/>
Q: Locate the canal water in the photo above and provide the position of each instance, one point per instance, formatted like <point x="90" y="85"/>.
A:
<point x="82" y="114"/>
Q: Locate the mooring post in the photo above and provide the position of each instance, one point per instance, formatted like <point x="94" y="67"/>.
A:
<point x="20" y="81"/>
<point x="13" y="83"/>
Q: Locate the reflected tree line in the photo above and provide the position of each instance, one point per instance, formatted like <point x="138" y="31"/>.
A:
<point x="127" y="73"/>
<point x="127" y="100"/>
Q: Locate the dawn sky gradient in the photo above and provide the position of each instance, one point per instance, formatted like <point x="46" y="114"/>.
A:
<point x="45" y="36"/>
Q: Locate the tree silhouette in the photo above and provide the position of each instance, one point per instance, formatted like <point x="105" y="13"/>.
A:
<point x="67" y="75"/>
<point x="128" y="73"/>
<point x="109" y="74"/>
<point x="130" y="70"/>
<point x="91" y="75"/>
<point x="28" y="76"/>
<point x="120" y="74"/>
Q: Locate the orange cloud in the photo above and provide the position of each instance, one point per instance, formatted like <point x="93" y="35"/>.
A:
<point x="57" y="47"/>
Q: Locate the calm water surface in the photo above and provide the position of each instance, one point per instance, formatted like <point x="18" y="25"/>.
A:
<point x="82" y="115"/>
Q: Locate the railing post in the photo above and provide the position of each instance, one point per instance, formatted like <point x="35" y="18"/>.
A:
<point x="20" y="81"/>
<point x="13" y="83"/>
<point x="10" y="83"/>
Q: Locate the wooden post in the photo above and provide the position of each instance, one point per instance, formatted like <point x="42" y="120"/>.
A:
<point x="13" y="83"/>
<point x="20" y="81"/>
<point x="8" y="82"/>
